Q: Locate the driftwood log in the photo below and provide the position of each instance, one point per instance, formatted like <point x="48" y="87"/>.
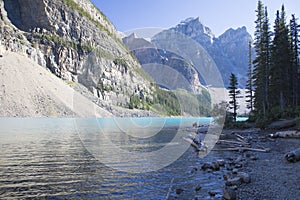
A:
<point x="293" y="156"/>
<point x="242" y="149"/>
<point x="286" y="134"/>
<point x="282" y="124"/>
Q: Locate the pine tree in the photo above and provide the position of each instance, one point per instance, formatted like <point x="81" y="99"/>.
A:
<point x="294" y="35"/>
<point x="249" y="86"/>
<point x="234" y="93"/>
<point x="281" y="67"/>
<point x="262" y="62"/>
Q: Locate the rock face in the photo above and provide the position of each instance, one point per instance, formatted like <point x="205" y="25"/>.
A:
<point x="77" y="43"/>
<point x="153" y="59"/>
<point x="228" y="52"/>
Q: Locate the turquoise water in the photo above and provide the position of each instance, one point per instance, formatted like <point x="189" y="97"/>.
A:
<point x="55" y="159"/>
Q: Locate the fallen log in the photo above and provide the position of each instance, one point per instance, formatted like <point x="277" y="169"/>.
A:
<point x="243" y="149"/>
<point x="282" y="124"/>
<point x="293" y="156"/>
<point x="285" y="134"/>
<point x="191" y="142"/>
<point x="233" y="142"/>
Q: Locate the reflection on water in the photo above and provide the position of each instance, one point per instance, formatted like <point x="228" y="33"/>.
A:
<point x="45" y="158"/>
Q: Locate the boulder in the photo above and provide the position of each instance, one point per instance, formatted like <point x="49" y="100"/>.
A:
<point x="244" y="176"/>
<point x="234" y="181"/>
<point x="229" y="193"/>
<point x="293" y="156"/>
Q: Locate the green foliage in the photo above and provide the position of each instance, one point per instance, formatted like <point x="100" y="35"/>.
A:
<point x="122" y="62"/>
<point x="262" y="61"/>
<point x="168" y="101"/>
<point x="218" y="112"/>
<point x="276" y="67"/>
<point x="71" y="83"/>
<point x="234" y="95"/>
<point x="134" y="101"/>
<point x="194" y="105"/>
<point x="249" y="86"/>
<point x="56" y="40"/>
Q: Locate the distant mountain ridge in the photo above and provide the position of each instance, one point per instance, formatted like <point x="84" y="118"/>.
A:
<point x="229" y="51"/>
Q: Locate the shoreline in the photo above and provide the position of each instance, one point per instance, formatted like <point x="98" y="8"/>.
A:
<point x="252" y="175"/>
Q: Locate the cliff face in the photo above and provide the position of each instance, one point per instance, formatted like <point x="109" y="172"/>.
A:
<point x="155" y="61"/>
<point x="77" y="43"/>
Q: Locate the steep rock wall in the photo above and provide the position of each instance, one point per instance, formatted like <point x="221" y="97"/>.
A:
<point x="76" y="42"/>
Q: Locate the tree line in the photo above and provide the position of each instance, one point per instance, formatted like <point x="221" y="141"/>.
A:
<point x="273" y="87"/>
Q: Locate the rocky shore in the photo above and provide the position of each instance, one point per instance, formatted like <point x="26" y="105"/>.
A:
<point x="254" y="166"/>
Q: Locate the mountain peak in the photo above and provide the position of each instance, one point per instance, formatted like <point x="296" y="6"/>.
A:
<point x="191" y="20"/>
<point x="194" y="28"/>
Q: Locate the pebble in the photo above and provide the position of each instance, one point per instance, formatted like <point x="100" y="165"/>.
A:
<point x="235" y="171"/>
<point x="238" y="165"/>
<point x="226" y="177"/>
<point x="198" y="187"/>
<point x="179" y="191"/>
<point x="211" y="193"/>
<point x="254" y="158"/>
<point x="221" y="162"/>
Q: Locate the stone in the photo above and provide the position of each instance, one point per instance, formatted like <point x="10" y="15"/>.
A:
<point x="212" y="193"/>
<point x="221" y="162"/>
<point x="215" y="166"/>
<point x="226" y="177"/>
<point x="179" y="191"/>
<point x="234" y="181"/>
<point x="293" y="156"/>
<point x="253" y="158"/>
<point x="238" y="165"/>
<point x="244" y="176"/>
<point x="206" y="166"/>
<point x="198" y="187"/>
<point x="229" y="193"/>
<point x="235" y="171"/>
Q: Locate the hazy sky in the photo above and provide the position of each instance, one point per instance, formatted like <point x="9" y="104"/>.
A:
<point x="219" y="15"/>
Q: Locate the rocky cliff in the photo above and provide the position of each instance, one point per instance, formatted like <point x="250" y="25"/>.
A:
<point x="156" y="62"/>
<point x="77" y="43"/>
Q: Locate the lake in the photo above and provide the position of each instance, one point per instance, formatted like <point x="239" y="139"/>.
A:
<point x="108" y="158"/>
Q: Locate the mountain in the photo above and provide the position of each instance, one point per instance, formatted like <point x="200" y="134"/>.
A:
<point x="167" y="68"/>
<point x="199" y="55"/>
<point x="76" y="42"/>
<point x="229" y="51"/>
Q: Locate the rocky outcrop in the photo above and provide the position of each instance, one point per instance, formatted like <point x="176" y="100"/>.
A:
<point x="77" y="43"/>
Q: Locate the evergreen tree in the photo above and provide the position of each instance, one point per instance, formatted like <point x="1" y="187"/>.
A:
<point x="234" y="95"/>
<point x="281" y="67"/>
<point x="262" y="62"/>
<point x="249" y="86"/>
<point x="294" y="35"/>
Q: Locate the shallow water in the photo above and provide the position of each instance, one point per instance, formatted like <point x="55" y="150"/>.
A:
<point x="60" y="158"/>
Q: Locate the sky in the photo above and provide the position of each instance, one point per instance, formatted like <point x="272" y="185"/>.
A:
<point x="218" y="15"/>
